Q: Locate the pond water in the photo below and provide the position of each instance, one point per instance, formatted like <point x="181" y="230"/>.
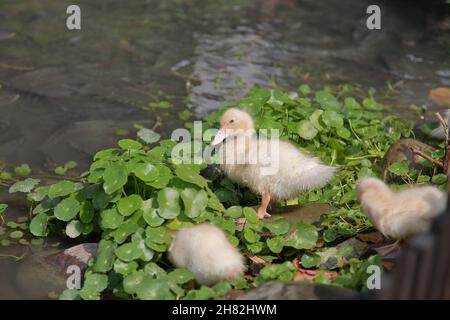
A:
<point x="64" y="93"/>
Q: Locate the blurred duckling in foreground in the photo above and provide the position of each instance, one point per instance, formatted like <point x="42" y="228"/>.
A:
<point x="403" y="214"/>
<point x="274" y="169"/>
<point x="205" y="250"/>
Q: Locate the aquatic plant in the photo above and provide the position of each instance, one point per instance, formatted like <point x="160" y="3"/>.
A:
<point x="133" y="197"/>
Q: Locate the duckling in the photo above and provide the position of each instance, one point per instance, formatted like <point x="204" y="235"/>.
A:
<point x="272" y="168"/>
<point x="205" y="250"/>
<point x="400" y="215"/>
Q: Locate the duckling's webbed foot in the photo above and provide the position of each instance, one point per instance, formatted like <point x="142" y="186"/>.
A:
<point x="262" y="210"/>
<point x="262" y="214"/>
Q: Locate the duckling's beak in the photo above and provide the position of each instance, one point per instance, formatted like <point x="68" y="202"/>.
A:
<point x="220" y="136"/>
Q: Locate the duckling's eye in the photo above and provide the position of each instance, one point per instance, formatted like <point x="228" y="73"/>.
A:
<point x="231" y="121"/>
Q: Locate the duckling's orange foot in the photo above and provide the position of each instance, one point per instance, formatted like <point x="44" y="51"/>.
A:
<point x="262" y="214"/>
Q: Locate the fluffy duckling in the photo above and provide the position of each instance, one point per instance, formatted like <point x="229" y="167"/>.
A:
<point x="274" y="169"/>
<point x="205" y="250"/>
<point x="400" y="215"/>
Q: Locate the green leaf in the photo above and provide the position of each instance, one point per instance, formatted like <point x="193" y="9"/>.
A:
<point x="250" y="215"/>
<point x="327" y="100"/>
<point x="351" y="103"/>
<point x="234" y="212"/>
<point x="400" y="168"/>
<point x="128" y="252"/>
<point x="250" y="236"/>
<point x="168" y="201"/>
<point x="132" y="281"/>
<point x="125" y="268"/>
<point x="275" y="244"/>
<point x="314" y="118"/>
<point x="310" y="260"/>
<point x="153" y="289"/>
<point x="86" y="212"/>
<point x="304" y="88"/>
<point x="115" y="177"/>
<point x="181" y="276"/>
<point x="439" y="178"/>
<point x="24" y="186"/>
<point x="22" y="170"/>
<point x="195" y="202"/>
<point x="160" y="105"/>
<point x="150" y="214"/>
<point x="371" y="104"/>
<point x="278" y="227"/>
<point x="332" y="119"/>
<point x="163" y="178"/>
<point x="95" y="282"/>
<point x="124" y="230"/>
<point x="3" y="207"/>
<point x="38" y="225"/>
<point x="129" y="144"/>
<point x="61" y="189"/>
<point x="16" y="234"/>
<point x="148" y="136"/>
<point x="153" y="270"/>
<point x="423" y="179"/>
<point x="110" y="219"/>
<point x="186" y="173"/>
<point x="4" y="175"/>
<point x="306" y="130"/>
<point x="70" y="294"/>
<point x="329" y="235"/>
<point x="343" y="132"/>
<point x="305" y="236"/>
<point x="105" y="256"/>
<point x="128" y="205"/>
<point x="67" y="209"/>
<point x="157" y="235"/>
<point x="146" y="172"/>
<point x="39" y="194"/>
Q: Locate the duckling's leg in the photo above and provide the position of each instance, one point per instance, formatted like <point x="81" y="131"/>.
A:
<point x="262" y="210"/>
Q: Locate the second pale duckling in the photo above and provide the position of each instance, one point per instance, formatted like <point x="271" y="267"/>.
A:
<point x="272" y="168"/>
<point x="205" y="250"/>
<point x="403" y="214"/>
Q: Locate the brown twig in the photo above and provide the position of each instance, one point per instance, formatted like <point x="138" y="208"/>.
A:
<point x="258" y="260"/>
<point x="444" y="124"/>
<point x="435" y="162"/>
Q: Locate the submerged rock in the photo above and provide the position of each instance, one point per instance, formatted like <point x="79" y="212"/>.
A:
<point x="337" y="256"/>
<point x="280" y="290"/>
<point x="44" y="272"/>
<point x="309" y="213"/>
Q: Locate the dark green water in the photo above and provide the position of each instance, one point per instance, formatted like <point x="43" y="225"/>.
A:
<point x="65" y="93"/>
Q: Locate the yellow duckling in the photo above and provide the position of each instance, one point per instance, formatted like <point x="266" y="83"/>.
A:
<point x="400" y="215"/>
<point x="272" y="168"/>
<point x="206" y="251"/>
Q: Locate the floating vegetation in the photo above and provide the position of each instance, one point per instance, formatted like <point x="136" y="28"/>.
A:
<point x="134" y="197"/>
